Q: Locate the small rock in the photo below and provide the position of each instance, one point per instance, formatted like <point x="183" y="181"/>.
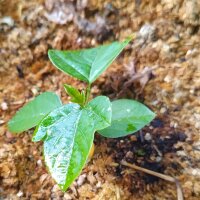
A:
<point x="91" y="178"/>
<point x="39" y="163"/>
<point x="163" y="110"/>
<point x="7" y="20"/>
<point x="34" y="91"/>
<point x="168" y="79"/>
<point x="67" y="196"/>
<point x="173" y="124"/>
<point x="147" y="31"/>
<point x="4" y="106"/>
<point x="196" y="172"/>
<point x="133" y="138"/>
<point x="81" y="179"/>
<point x="2" y="121"/>
<point x="191" y="53"/>
<point x="158" y="159"/>
<point x="181" y="153"/>
<point x="129" y="154"/>
<point x="98" y="185"/>
<point x="147" y="137"/>
<point x="20" y="194"/>
<point x="55" y="188"/>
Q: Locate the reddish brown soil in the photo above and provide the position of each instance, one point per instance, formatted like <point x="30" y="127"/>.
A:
<point x="159" y="68"/>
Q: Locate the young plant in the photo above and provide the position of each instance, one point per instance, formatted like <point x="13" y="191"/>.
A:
<point x="67" y="131"/>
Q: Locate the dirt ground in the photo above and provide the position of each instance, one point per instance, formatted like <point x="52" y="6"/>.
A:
<point x="159" y="68"/>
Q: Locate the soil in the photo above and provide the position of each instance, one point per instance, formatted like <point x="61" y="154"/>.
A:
<point x="159" y="68"/>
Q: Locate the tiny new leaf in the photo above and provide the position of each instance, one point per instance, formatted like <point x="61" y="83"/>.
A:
<point x="87" y="64"/>
<point x="68" y="134"/>
<point x="77" y="97"/>
<point x="128" y="116"/>
<point x="33" y="112"/>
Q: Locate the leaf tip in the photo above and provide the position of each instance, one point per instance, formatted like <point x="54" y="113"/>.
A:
<point x="11" y="127"/>
<point x="50" y="51"/>
<point x="50" y="54"/>
<point x="63" y="187"/>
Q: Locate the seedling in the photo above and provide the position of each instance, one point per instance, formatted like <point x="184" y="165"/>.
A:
<point x="67" y="131"/>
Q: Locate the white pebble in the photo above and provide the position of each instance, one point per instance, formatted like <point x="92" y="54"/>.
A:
<point x="81" y="179"/>
<point x="158" y="159"/>
<point x="98" y="185"/>
<point x="147" y="31"/>
<point x="4" y="106"/>
<point x="39" y="163"/>
<point x="163" y="110"/>
<point x="147" y="137"/>
<point x="20" y="194"/>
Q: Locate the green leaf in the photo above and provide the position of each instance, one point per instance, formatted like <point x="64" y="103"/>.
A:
<point x="33" y="112"/>
<point x="87" y="64"/>
<point x="68" y="134"/>
<point x="128" y="116"/>
<point x="77" y="97"/>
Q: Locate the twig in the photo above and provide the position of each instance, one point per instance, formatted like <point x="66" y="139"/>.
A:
<point x="165" y="177"/>
<point x="136" y="76"/>
<point x="140" y="75"/>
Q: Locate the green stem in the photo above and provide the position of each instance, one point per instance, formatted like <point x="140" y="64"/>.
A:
<point x="87" y="96"/>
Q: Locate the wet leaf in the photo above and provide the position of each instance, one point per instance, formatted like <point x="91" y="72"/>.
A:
<point x="33" y="112"/>
<point x="87" y="64"/>
<point x="68" y="134"/>
<point x="128" y="116"/>
<point x="77" y="97"/>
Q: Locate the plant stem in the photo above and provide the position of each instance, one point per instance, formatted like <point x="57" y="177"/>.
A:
<point x="87" y="95"/>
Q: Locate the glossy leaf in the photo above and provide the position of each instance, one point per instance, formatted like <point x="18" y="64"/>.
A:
<point x="77" y="97"/>
<point x="87" y="64"/>
<point x="128" y="116"/>
<point x="68" y="134"/>
<point x="33" y="112"/>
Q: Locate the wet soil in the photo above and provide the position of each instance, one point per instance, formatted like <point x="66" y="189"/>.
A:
<point x="159" y="68"/>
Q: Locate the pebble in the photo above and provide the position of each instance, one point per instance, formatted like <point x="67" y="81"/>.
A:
<point x="133" y="138"/>
<point x="91" y="178"/>
<point x="129" y="154"/>
<point x="98" y="185"/>
<point x="191" y="53"/>
<point x="67" y="197"/>
<point x="147" y="31"/>
<point x="173" y="124"/>
<point x="81" y="179"/>
<point x="2" y="121"/>
<point x="39" y="163"/>
<point x="196" y="172"/>
<point x="147" y="137"/>
<point x="34" y="91"/>
<point x="4" y="106"/>
<point x="20" y="194"/>
<point x="7" y="20"/>
<point x="168" y="79"/>
<point x="163" y="110"/>
<point x="181" y="153"/>
<point x="158" y="159"/>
